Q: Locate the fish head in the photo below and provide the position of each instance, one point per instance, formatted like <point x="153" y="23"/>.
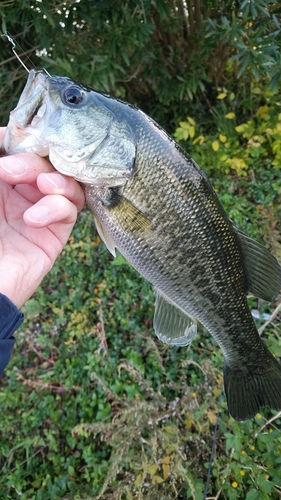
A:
<point x="84" y="135"/>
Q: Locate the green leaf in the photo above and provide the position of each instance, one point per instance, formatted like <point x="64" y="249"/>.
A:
<point x="253" y="494"/>
<point x="243" y="65"/>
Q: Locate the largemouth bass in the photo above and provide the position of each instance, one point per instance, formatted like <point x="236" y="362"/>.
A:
<point x="152" y="202"/>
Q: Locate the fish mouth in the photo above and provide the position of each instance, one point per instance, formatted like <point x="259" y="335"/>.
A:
<point x="35" y="118"/>
<point x="28" y="119"/>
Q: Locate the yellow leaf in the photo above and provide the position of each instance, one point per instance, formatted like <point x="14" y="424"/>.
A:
<point x="215" y="145"/>
<point x="212" y="417"/>
<point x="170" y="429"/>
<point x="191" y="121"/>
<point x="152" y="470"/>
<point x="223" y="157"/>
<point x="259" y="138"/>
<point x="138" y="480"/>
<point x="262" y="111"/>
<point x="230" y="115"/>
<point x="256" y="90"/>
<point x="241" y="128"/>
<point x="188" y="423"/>
<point x="166" y="460"/>
<point x="185" y="135"/>
<point x="166" y="470"/>
<point x="199" y="139"/>
<point x="157" y="480"/>
<point x="238" y="164"/>
<point x="223" y="138"/>
<point x="216" y="392"/>
<point x="192" y="132"/>
<point x="56" y="310"/>
<point x="231" y="96"/>
<point x="184" y="125"/>
<point x="69" y="342"/>
<point x="222" y="95"/>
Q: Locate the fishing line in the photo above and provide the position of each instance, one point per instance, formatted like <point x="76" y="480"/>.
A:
<point x="12" y="41"/>
<point x="213" y="448"/>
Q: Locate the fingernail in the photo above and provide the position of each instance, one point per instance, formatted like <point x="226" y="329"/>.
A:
<point x="12" y="165"/>
<point x="39" y="213"/>
<point x="56" y="179"/>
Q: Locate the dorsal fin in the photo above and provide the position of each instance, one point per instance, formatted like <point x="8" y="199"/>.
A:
<point x="262" y="269"/>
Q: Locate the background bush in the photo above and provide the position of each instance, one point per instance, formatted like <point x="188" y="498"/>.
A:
<point x="92" y="404"/>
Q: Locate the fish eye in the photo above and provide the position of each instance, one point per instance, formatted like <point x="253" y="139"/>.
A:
<point x="73" y="95"/>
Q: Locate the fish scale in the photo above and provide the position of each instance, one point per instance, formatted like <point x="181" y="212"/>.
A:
<point x="152" y="202"/>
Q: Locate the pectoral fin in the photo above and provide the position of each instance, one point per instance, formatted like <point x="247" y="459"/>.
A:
<point x="262" y="269"/>
<point x="126" y="214"/>
<point x="171" y="324"/>
<point x="133" y="219"/>
<point x="106" y="238"/>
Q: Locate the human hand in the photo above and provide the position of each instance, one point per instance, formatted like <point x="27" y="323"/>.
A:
<point x="38" y="209"/>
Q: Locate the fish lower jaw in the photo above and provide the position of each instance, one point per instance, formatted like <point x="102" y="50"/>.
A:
<point x="18" y="139"/>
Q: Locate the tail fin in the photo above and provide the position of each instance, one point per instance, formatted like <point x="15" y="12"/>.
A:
<point x="247" y="392"/>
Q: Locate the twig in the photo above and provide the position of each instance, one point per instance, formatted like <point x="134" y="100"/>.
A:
<point x="268" y="422"/>
<point x="272" y="317"/>
<point x="43" y="385"/>
<point x="191" y="362"/>
<point x="25" y="461"/>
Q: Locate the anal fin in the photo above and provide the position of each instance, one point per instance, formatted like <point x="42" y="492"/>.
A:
<point x="172" y="325"/>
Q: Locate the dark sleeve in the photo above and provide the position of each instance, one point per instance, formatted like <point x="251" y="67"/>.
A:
<point x="10" y="319"/>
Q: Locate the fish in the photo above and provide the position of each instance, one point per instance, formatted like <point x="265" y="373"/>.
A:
<point x="152" y="202"/>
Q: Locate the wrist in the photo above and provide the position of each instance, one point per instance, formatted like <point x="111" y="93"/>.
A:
<point x="19" y="284"/>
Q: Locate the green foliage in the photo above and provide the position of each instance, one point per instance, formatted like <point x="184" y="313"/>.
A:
<point x="260" y="137"/>
<point x="159" y="55"/>
<point x="250" y="34"/>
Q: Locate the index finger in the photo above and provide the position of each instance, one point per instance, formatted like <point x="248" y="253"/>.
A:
<point x="23" y="168"/>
